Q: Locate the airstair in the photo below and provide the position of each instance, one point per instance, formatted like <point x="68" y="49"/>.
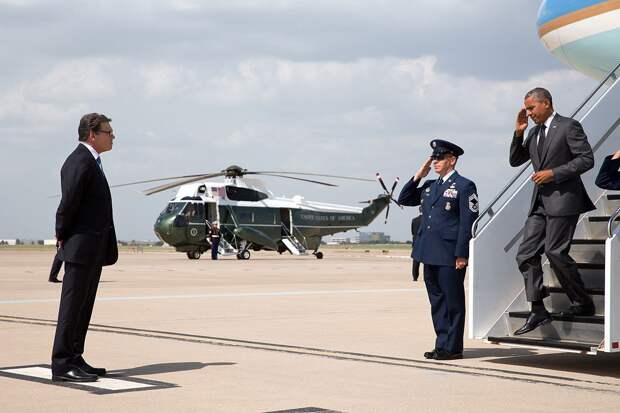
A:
<point x="224" y="248"/>
<point x="496" y="303"/>
<point x="292" y="243"/>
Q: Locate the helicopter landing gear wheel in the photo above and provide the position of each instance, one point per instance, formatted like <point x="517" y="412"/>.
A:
<point x="243" y="255"/>
<point x="193" y="255"/>
<point x="318" y="255"/>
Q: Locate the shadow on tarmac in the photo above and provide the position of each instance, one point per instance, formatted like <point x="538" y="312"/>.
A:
<point x="603" y="364"/>
<point x="164" y="368"/>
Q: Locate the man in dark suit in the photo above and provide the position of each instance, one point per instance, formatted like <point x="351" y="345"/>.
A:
<point x="449" y="206"/>
<point x="56" y="266"/>
<point x="87" y="240"/>
<point x="560" y="153"/>
<point x="608" y="176"/>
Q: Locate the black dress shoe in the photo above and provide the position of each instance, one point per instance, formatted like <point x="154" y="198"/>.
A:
<point x="54" y="280"/>
<point x="75" y="375"/>
<point x="98" y="371"/>
<point x="533" y="321"/>
<point x="446" y="355"/>
<point x="579" y="309"/>
<point x="430" y="354"/>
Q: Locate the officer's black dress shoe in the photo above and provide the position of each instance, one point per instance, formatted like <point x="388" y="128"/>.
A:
<point x="54" y="280"/>
<point x="579" y="309"/>
<point x="533" y="321"/>
<point x="75" y="374"/>
<point x="446" y="355"/>
<point x="98" y="371"/>
<point x="430" y="354"/>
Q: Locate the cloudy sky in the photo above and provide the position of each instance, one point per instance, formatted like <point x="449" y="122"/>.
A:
<point x="336" y="87"/>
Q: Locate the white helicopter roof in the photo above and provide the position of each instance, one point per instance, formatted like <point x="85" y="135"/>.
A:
<point x="215" y="191"/>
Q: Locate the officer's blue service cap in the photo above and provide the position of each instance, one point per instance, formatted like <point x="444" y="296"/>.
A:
<point x="442" y="147"/>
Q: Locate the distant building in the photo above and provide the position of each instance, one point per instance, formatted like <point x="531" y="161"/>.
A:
<point x="373" y="238"/>
<point x="49" y="242"/>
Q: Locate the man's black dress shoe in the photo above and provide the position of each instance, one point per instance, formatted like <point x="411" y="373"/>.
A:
<point x="430" y="354"/>
<point x="54" y="280"/>
<point x="93" y="370"/>
<point x="446" y="355"/>
<point x="533" y="321"/>
<point x="579" y="309"/>
<point x="75" y="375"/>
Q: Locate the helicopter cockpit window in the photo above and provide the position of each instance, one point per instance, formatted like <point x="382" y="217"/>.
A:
<point x="236" y="193"/>
<point x="174" y="208"/>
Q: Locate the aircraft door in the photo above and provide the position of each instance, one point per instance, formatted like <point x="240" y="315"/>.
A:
<point x="211" y="211"/>
<point x="285" y="219"/>
<point x="196" y="227"/>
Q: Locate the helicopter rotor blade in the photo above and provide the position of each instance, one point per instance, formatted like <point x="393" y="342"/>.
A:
<point x="378" y="175"/>
<point x="180" y="182"/>
<point x="396" y="181"/>
<point x="387" y="213"/>
<point x="354" y="178"/>
<point x="155" y="180"/>
<point x="299" y="179"/>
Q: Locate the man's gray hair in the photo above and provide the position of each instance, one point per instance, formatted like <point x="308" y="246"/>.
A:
<point x="539" y="94"/>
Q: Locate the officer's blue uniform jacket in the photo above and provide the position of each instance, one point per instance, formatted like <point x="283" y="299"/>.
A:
<point x="448" y="212"/>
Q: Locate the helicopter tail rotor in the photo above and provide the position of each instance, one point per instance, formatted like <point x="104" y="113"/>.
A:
<point x="389" y="193"/>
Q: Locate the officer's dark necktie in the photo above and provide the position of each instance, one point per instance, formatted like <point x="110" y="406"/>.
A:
<point x="541" y="140"/>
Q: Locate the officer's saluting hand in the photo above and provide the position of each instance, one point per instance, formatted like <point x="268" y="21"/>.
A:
<point x="449" y="206"/>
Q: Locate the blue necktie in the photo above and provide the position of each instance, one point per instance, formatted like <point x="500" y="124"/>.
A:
<point x="99" y="163"/>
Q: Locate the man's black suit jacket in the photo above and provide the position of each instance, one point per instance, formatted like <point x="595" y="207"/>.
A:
<point x="84" y="220"/>
<point x="609" y="177"/>
<point x="567" y="152"/>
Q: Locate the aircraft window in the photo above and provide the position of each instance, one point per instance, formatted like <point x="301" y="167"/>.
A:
<point x="244" y="194"/>
<point x="174" y="207"/>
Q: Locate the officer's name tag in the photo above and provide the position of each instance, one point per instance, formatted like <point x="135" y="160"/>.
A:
<point x="450" y="193"/>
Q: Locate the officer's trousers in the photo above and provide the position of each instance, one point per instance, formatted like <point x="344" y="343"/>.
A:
<point x="444" y="285"/>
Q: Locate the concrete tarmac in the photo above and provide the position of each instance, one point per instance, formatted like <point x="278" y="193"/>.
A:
<point x="275" y="333"/>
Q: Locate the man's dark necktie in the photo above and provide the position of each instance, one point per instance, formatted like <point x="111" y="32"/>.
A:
<point x="541" y="140"/>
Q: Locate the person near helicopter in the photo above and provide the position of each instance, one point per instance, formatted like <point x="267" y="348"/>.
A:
<point x="214" y="238"/>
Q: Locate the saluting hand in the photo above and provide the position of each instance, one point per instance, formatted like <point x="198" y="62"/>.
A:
<point x="461" y="263"/>
<point x="424" y="169"/>
<point x="542" y="177"/>
<point x="521" y="123"/>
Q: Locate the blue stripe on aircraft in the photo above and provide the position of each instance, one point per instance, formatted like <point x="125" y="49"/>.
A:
<point x="552" y="9"/>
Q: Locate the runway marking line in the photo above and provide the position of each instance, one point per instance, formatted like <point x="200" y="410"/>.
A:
<point x="224" y="295"/>
<point x="433" y="366"/>
<point x="104" y="385"/>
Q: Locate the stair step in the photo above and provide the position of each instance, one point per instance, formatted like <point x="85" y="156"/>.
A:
<point x="588" y="242"/>
<point x="590" y="266"/>
<point x="602" y="219"/>
<point x="594" y="319"/>
<point x="591" y="291"/>
<point x="565" y="345"/>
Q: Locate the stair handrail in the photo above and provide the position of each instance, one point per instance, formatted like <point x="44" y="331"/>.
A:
<point x="489" y="209"/>
<point x="610" y="223"/>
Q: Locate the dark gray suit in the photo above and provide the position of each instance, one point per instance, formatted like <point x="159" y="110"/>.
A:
<point x="608" y="176"/>
<point x="555" y="206"/>
<point x="85" y="226"/>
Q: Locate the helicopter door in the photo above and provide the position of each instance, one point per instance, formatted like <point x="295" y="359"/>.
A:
<point x="196" y="228"/>
<point x="285" y="219"/>
<point x="211" y="210"/>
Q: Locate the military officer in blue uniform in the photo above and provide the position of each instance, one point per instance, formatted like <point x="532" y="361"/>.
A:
<point x="449" y="206"/>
